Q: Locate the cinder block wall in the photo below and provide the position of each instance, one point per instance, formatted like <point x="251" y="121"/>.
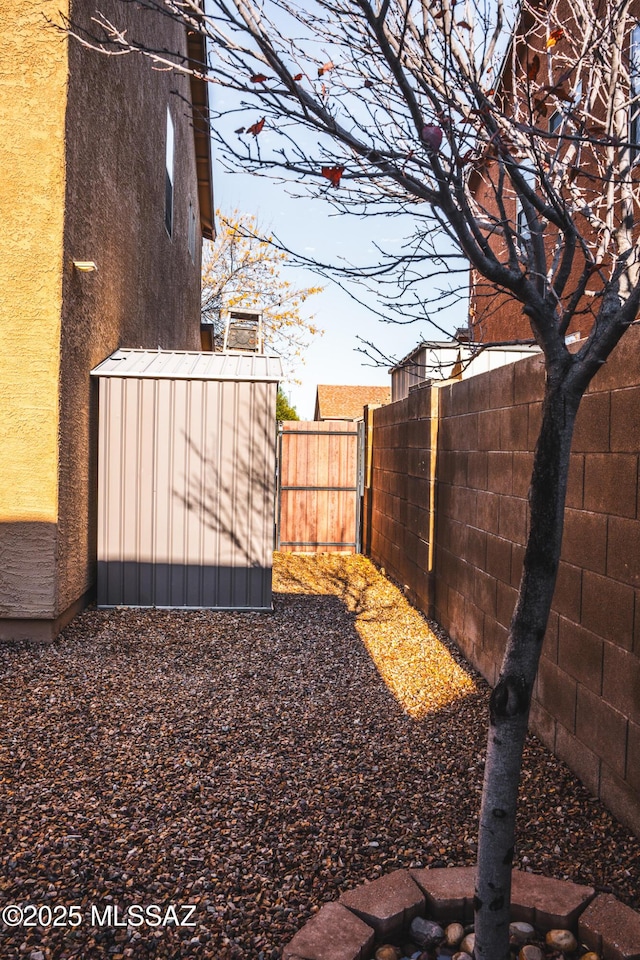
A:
<point x="587" y="696"/>
<point x="399" y="496"/>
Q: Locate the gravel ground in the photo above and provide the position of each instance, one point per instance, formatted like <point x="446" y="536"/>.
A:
<point x="255" y="766"/>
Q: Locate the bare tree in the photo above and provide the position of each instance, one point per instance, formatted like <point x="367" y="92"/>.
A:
<point x="404" y="106"/>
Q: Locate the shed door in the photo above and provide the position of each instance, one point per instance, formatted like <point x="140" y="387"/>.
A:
<point x="320" y="486"/>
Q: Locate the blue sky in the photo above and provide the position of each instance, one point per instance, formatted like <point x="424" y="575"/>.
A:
<point x="311" y="227"/>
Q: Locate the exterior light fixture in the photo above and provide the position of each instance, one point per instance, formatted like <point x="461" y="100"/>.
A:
<point x="84" y="266"/>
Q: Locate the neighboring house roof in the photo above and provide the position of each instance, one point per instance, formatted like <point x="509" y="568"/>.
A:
<point x="200" y="107"/>
<point x="341" y="402"/>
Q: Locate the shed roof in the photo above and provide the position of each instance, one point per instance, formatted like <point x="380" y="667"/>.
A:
<point x="190" y="365"/>
<point x="344" y="402"/>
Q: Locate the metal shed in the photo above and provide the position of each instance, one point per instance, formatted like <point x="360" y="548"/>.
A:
<point x="186" y="479"/>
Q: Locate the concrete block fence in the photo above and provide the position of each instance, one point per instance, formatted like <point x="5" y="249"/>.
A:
<point x="445" y="514"/>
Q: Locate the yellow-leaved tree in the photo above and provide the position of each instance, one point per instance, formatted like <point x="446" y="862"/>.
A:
<point x="242" y="269"/>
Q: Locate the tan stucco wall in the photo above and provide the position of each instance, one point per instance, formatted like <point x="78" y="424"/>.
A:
<point x="82" y="154"/>
<point x="31" y="210"/>
<point x="32" y="203"/>
<point x="146" y="291"/>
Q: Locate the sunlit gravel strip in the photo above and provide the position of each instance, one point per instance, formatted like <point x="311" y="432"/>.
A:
<point x="414" y="664"/>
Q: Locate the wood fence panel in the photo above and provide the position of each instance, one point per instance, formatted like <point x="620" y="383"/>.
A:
<point x="319" y="496"/>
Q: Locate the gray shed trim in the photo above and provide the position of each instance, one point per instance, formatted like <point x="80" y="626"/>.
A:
<point x="190" y="365"/>
<point x="186" y="480"/>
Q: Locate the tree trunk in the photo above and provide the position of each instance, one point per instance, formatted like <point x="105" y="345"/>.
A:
<point x="510" y="700"/>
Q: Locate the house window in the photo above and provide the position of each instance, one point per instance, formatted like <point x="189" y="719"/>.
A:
<point x="191" y="234"/>
<point x="522" y="227"/>
<point x="577" y="94"/>
<point x="634" y="84"/>
<point x="555" y="121"/>
<point x="168" y="176"/>
<point x="558" y="116"/>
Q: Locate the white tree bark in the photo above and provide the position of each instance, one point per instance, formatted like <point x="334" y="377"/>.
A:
<point x="511" y="697"/>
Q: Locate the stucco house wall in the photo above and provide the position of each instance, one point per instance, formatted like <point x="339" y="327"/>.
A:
<point x="32" y="159"/>
<point x="84" y="144"/>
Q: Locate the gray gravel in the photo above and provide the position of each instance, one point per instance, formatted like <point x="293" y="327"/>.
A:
<point x="254" y="765"/>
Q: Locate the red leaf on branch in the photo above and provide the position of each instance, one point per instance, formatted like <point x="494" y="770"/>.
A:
<point x="325" y="68"/>
<point x="258" y="78"/>
<point x="333" y="174"/>
<point x="463" y="23"/>
<point x="432" y="136"/>
<point x="534" y="67"/>
<point x="368" y="83"/>
<point x="554" y="37"/>
<point x="560" y="92"/>
<point x="256" y="127"/>
<point x="298" y="77"/>
<point x="464" y="159"/>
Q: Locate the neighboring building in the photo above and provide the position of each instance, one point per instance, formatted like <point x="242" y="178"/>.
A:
<point x="450" y="360"/>
<point x="495" y="316"/>
<point x="429" y="360"/>
<point x="103" y="165"/>
<point x="340" y="402"/>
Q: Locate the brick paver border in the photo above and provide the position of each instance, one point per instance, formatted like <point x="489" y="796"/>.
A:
<point x="350" y="928"/>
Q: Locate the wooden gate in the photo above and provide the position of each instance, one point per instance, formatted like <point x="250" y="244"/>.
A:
<point x="320" y="484"/>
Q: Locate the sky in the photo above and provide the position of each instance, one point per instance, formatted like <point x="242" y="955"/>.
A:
<point x="311" y="227"/>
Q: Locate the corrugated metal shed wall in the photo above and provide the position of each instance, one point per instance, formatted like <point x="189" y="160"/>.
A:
<point x="186" y="490"/>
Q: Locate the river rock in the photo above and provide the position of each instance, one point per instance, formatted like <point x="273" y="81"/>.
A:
<point x="590" y="956"/>
<point x="388" y="952"/>
<point x="561" y="940"/>
<point x="426" y="933"/>
<point x="530" y="952"/>
<point x="461" y="956"/>
<point x="468" y="944"/>
<point x="521" y="931"/>
<point x="454" y="934"/>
